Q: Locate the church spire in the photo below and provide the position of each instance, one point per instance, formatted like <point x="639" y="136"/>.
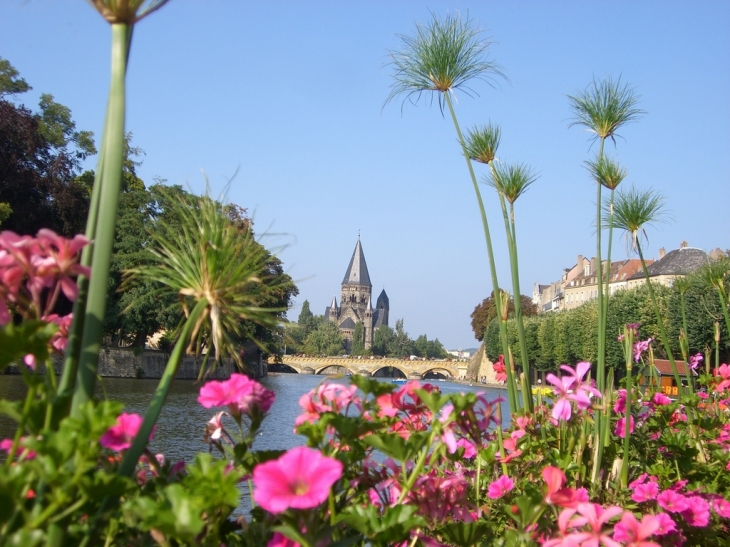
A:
<point x="357" y="271"/>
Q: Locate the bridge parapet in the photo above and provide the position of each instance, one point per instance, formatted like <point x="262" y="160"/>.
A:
<point x="415" y="369"/>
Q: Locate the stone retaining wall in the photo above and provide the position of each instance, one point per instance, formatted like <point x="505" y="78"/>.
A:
<point x="123" y="363"/>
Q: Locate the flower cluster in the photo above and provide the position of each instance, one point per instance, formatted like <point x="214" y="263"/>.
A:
<point x="34" y="272"/>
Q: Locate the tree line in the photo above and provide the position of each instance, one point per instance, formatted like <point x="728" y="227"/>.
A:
<point x="316" y="335"/>
<point x="43" y="185"/>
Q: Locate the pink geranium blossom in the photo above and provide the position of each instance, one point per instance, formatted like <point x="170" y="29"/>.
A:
<point x="500" y="487"/>
<point x="557" y="495"/>
<point x="120" y="436"/>
<point x="634" y="533"/>
<point x="6" y="445"/>
<point x="595" y="516"/>
<point x="641" y="347"/>
<point x="660" y="399"/>
<point x="724" y="372"/>
<point x="695" y="360"/>
<point x="571" y="387"/>
<point x="300" y="479"/>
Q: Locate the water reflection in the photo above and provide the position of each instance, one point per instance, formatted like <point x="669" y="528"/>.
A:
<point x="182" y="421"/>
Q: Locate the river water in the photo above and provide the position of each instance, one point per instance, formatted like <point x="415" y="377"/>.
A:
<point x="182" y="422"/>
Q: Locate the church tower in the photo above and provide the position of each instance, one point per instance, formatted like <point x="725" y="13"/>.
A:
<point x="356" y="302"/>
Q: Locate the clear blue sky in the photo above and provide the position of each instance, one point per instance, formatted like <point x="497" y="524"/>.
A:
<point x="284" y="100"/>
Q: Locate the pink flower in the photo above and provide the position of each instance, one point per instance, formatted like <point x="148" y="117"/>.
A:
<point x="214" y="428"/>
<point x="634" y="533"/>
<point x="280" y="540"/>
<point x="239" y="393"/>
<point x="29" y="361"/>
<point x="500" y="370"/>
<point x="6" y="445"/>
<point x="666" y="524"/>
<point x="63" y="260"/>
<point x="641" y="347"/>
<point x="500" y="487"/>
<point x="595" y="516"/>
<point x="469" y="449"/>
<point x="570" y="387"/>
<point x="721" y="507"/>
<point x="695" y="360"/>
<point x="557" y="495"/>
<point x="724" y="372"/>
<point x="300" y="479"/>
<point x="620" y="406"/>
<point x="120" y="436"/>
<point x="660" y="399"/>
<point x="620" y="430"/>
<point x="645" y="492"/>
<point x="671" y="501"/>
<point x="697" y="512"/>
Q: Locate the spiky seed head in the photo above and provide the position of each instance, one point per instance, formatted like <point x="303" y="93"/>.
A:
<point x="604" y="106"/>
<point x="715" y="273"/>
<point x="482" y="143"/>
<point x="634" y="209"/>
<point x="205" y="255"/>
<point x="443" y="56"/>
<point x="126" y="11"/>
<point x="511" y="180"/>
<point x="606" y="172"/>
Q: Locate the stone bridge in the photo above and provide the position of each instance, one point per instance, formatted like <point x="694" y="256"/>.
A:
<point x="366" y="366"/>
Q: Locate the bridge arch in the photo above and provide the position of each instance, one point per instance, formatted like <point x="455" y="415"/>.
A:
<point x="333" y="369"/>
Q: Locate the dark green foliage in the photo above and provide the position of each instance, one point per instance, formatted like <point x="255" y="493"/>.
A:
<point x="326" y="339"/>
<point x="570" y="336"/>
<point x="486" y="311"/>
<point x="358" y="340"/>
<point x="383" y="339"/>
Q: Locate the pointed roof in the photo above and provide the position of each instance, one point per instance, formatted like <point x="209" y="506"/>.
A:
<point x="357" y="271"/>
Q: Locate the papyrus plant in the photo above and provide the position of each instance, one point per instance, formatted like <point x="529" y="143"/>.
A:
<point x="82" y="355"/>
<point x="445" y="55"/>
<point x="602" y="109"/>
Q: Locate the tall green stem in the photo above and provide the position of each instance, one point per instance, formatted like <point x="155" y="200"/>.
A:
<point x="598" y="434"/>
<point x="512" y="387"/>
<point x="660" y="322"/>
<point x="113" y="155"/>
<point x="514" y="263"/>
<point x="158" y="400"/>
<point x="628" y="354"/>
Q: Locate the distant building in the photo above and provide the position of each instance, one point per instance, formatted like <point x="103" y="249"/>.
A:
<point x="356" y="302"/>
<point x="578" y="284"/>
<point x="551" y="297"/>
<point x="584" y="286"/>
<point x="671" y="265"/>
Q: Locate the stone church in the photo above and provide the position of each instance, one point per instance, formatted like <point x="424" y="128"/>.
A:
<point x="356" y="302"/>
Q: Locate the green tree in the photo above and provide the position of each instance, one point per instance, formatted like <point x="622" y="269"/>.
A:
<point x="358" y="339"/>
<point x="401" y="345"/>
<point x="326" y="339"/>
<point x="383" y="340"/>
<point x="10" y="81"/>
<point x="486" y="311"/>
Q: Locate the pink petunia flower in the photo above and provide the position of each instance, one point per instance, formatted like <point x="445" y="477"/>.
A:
<point x="660" y="399"/>
<point x="721" y="507"/>
<point x="500" y="487"/>
<point x="698" y="512"/>
<point x="299" y="479"/>
<point x="620" y="430"/>
<point x="666" y="524"/>
<point x="120" y="436"/>
<point x="645" y="492"/>
<point x="671" y="501"/>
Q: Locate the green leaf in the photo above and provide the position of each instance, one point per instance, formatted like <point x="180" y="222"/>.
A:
<point x="29" y="337"/>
